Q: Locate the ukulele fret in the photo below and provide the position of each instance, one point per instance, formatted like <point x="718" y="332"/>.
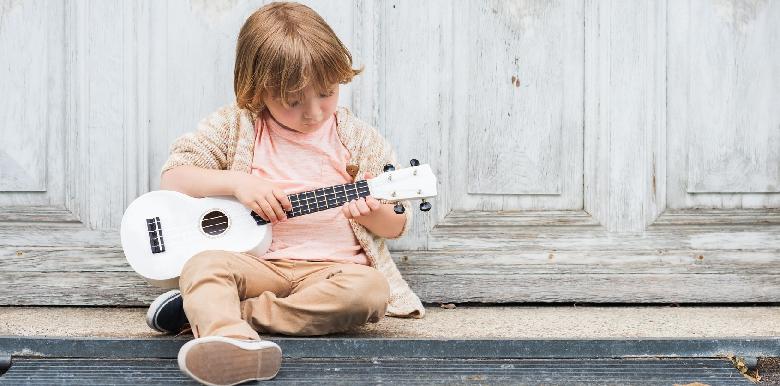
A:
<point x="320" y="199"/>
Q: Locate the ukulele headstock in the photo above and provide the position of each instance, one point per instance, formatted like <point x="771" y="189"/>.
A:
<point x="417" y="181"/>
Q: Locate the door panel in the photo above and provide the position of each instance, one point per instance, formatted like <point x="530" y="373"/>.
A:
<point x="525" y="62"/>
<point x="32" y="99"/>
<point x="724" y="124"/>
<point x="587" y="151"/>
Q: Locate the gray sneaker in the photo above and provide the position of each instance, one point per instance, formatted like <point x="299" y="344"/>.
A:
<point x="220" y="360"/>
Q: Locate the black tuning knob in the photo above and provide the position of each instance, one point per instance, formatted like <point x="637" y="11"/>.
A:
<point x="398" y="208"/>
<point x="389" y="168"/>
<point x="414" y="162"/>
<point x="425" y="206"/>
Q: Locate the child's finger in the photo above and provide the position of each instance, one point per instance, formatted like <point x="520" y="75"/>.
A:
<point x="373" y="203"/>
<point x="345" y="209"/>
<point x="283" y="199"/>
<point x="368" y="175"/>
<point x="362" y="207"/>
<point x="353" y="209"/>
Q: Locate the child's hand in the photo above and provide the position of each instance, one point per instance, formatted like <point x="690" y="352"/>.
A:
<point x="263" y="197"/>
<point x="363" y="206"/>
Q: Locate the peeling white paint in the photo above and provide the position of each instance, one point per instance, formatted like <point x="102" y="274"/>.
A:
<point x="6" y="7"/>
<point x="212" y="11"/>
<point x="523" y="15"/>
<point x="739" y="14"/>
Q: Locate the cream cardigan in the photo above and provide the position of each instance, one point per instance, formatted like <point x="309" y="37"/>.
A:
<point x="225" y="140"/>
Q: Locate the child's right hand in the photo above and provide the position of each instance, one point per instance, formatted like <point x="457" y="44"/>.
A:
<point x="263" y="197"/>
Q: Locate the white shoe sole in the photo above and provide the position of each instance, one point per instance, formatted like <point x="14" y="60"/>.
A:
<point x="220" y="361"/>
<point x="156" y="306"/>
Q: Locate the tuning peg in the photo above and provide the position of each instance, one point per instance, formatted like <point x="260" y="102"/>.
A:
<point x="414" y="162"/>
<point x="398" y="208"/>
<point x="425" y="206"/>
<point x="389" y="168"/>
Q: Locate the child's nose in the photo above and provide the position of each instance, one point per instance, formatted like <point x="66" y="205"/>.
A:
<point x="313" y="113"/>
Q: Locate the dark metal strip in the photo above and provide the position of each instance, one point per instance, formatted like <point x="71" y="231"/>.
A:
<point x="301" y="347"/>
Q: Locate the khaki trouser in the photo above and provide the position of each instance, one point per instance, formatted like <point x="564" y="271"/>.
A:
<point x="234" y="294"/>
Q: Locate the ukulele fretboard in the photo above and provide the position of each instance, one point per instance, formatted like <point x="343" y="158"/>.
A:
<point x="322" y="199"/>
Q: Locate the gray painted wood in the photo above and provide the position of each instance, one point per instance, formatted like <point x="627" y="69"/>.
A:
<point x="624" y="139"/>
<point x="723" y="127"/>
<point x="725" y="104"/>
<point x="533" y="266"/>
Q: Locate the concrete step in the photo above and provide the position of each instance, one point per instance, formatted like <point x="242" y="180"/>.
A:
<point x="537" y="322"/>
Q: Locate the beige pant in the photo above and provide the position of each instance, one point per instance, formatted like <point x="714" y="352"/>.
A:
<point x="234" y="294"/>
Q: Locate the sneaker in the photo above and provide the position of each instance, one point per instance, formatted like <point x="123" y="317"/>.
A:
<point x="220" y="360"/>
<point x="166" y="313"/>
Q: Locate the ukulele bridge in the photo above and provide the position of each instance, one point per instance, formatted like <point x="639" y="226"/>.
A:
<point x="155" y="235"/>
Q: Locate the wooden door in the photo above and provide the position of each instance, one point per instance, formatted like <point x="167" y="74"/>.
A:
<point x="587" y="151"/>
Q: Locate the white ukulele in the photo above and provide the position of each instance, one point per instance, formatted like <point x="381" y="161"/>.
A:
<point x="163" y="229"/>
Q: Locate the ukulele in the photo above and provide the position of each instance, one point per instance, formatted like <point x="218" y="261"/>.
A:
<point x="163" y="229"/>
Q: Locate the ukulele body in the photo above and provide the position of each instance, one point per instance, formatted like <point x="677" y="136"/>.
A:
<point x="161" y="230"/>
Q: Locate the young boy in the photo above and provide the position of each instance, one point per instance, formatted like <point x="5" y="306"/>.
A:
<point x="325" y="272"/>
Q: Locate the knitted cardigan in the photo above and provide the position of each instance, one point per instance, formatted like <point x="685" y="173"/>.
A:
<point x="225" y="140"/>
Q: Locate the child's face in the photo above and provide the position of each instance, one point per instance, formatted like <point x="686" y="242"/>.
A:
<point x="307" y="110"/>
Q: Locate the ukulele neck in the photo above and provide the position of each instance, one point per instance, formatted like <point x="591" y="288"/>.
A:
<point x="322" y="199"/>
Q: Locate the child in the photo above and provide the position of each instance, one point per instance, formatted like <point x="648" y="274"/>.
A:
<point x="325" y="272"/>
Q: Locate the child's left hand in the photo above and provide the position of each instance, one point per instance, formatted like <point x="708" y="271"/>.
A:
<point x="363" y="206"/>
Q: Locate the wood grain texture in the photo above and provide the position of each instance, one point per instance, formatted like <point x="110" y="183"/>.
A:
<point x="516" y="138"/>
<point x="624" y="106"/>
<point x="500" y="219"/>
<point x="101" y="277"/>
<point x="26" y="31"/>
<point x="37" y="213"/>
<point x="32" y="81"/>
<point x="603" y="151"/>
<point x="724" y="127"/>
<point x="726" y="54"/>
<point x="413" y="66"/>
<point x="572" y="238"/>
<point x="528" y="84"/>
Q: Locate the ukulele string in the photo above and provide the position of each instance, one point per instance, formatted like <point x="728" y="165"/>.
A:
<point x="306" y="208"/>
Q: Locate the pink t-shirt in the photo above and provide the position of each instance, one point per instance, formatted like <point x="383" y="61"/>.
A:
<point x="298" y="162"/>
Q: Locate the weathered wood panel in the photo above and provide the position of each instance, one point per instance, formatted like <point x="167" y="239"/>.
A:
<point x="476" y="276"/>
<point x="483" y="262"/>
<point x="561" y="177"/>
<point x="32" y="83"/>
<point x="525" y="72"/>
<point x="516" y="138"/>
<point x="412" y="77"/>
<point x="727" y="56"/>
<point x="625" y="113"/>
<point x="724" y="124"/>
<point x="114" y="288"/>
<point x="26" y="32"/>
<point x="683" y="237"/>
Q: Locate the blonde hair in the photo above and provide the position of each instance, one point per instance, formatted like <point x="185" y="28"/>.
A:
<point x="283" y="48"/>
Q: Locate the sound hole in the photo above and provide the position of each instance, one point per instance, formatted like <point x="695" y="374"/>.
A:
<point x="214" y="223"/>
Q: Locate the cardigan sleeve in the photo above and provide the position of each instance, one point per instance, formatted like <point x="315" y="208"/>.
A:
<point x="206" y="147"/>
